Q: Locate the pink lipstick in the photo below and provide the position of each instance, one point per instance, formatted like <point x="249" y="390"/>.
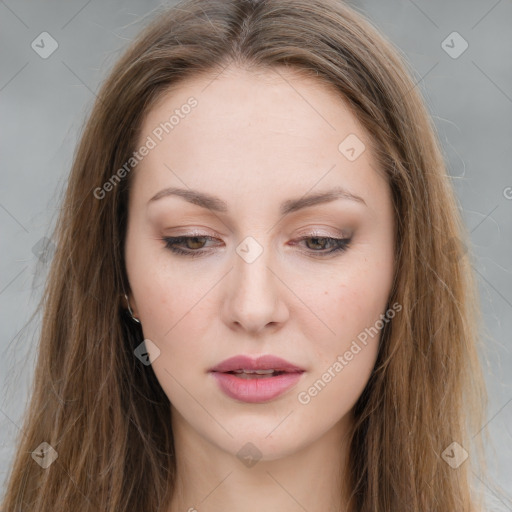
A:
<point x="256" y="380"/>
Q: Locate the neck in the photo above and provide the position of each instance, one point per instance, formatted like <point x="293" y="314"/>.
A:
<point x="211" y="479"/>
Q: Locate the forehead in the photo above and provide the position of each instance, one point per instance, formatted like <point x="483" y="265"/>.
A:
<point x="252" y="130"/>
<point x="266" y="101"/>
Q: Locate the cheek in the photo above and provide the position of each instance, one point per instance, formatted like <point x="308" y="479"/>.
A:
<point x="171" y="311"/>
<point x="350" y="303"/>
<point x="172" y="316"/>
<point x="344" y="360"/>
<point x="167" y="304"/>
<point x="165" y="297"/>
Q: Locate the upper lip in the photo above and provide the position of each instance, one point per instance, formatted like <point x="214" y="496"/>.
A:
<point x="266" y="362"/>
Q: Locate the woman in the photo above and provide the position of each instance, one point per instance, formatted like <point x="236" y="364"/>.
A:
<point x="259" y="298"/>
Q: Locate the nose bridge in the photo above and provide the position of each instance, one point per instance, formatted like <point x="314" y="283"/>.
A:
<point x="252" y="269"/>
<point x="254" y="299"/>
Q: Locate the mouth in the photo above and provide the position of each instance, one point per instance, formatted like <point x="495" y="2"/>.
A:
<point x="256" y="374"/>
<point x="258" y="380"/>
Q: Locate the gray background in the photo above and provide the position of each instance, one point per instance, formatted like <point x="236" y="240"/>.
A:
<point x="44" y="103"/>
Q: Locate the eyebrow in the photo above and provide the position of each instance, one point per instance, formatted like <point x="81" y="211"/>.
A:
<point x="291" y="205"/>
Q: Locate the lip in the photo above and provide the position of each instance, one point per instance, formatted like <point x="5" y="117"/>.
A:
<point x="256" y="390"/>
<point x="266" y="362"/>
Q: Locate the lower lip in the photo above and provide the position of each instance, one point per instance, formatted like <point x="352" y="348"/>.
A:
<point x="256" y="390"/>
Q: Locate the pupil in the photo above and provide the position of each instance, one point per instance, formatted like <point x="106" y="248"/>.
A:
<point x="316" y="242"/>
<point x="193" y="241"/>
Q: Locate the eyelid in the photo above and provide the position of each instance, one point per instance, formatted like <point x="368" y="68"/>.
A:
<point x="303" y="233"/>
<point x="320" y="233"/>
<point x="312" y="231"/>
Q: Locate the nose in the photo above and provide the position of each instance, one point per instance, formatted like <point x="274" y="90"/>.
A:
<point x="254" y="295"/>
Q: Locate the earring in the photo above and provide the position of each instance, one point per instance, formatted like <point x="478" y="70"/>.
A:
<point x="130" y="309"/>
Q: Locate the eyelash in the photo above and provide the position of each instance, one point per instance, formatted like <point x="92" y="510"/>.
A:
<point x="341" y="245"/>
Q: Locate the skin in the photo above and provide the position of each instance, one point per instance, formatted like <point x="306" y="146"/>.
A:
<point x="257" y="139"/>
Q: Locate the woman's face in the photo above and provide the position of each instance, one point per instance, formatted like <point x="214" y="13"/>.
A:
<point x="251" y="157"/>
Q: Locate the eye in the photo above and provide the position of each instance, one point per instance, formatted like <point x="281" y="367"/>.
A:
<point x="322" y="242"/>
<point x="194" y="245"/>
<point x="194" y="249"/>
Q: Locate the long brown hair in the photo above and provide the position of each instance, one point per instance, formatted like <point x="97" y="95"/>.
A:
<point x="106" y="415"/>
